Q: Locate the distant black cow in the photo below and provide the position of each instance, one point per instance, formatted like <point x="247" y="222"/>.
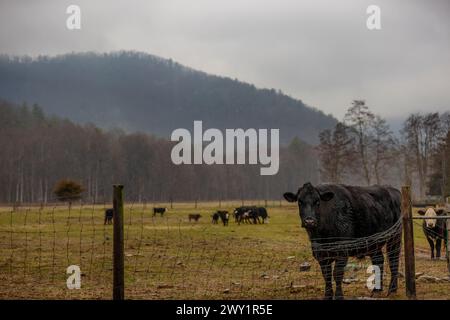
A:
<point x="434" y="229"/>
<point x="109" y="215"/>
<point x="224" y="216"/>
<point x="262" y="213"/>
<point x="194" y="216"/>
<point x="244" y="214"/>
<point x="249" y="214"/>
<point x="161" y="211"/>
<point x="215" y="218"/>
<point x="330" y="212"/>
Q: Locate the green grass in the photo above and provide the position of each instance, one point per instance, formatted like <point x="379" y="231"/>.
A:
<point x="171" y="258"/>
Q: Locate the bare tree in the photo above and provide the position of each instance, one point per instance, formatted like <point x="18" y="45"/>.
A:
<point x="422" y="134"/>
<point x="360" y="119"/>
<point x="335" y="151"/>
<point x="383" y="146"/>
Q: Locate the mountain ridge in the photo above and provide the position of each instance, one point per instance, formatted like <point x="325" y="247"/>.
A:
<point x="141" y="92"/>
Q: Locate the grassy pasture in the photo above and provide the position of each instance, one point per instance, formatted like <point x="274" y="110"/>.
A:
<point x="171" y="258"/>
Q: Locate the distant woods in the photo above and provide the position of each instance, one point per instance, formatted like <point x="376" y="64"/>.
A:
<point x="39" y="151"/>
<point x="362" y="149"/>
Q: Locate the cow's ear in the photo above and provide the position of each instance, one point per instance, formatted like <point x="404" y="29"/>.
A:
<point x="290" y="197"/>
<point x="421" y="212"/>
<point x="326" y="196"/>
<point x="440" y="212"/>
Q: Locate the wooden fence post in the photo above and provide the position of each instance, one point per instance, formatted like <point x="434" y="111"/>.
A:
<point x="447" y="245"/>
<point x="408" y="237"/>
<point x="118" y="249"/>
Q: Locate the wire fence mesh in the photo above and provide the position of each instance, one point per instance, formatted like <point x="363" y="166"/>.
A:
<point x="171" y="257"/>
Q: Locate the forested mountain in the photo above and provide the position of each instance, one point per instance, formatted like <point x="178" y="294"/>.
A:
<point x="37" y="151"/>
<point x="141" y="92"/>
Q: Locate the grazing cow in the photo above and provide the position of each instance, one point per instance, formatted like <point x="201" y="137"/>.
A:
<point x="243" y="214"/>
<point x="262" y="213"/>
<point x="194" y="217"/>
<point x="253" y="215"/>
<point x="161" y="211"/>
<point x="215" y="218"/>
<point x="434" y="229"/>
<point x="109" y="215"/>
<point x="330" y="212"/>
<point x="237" y="213"/>
<point x="224" y="216"/>
<point x="249" y="214"/>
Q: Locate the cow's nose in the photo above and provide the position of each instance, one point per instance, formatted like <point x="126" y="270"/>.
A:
<point x="310" y="222"/>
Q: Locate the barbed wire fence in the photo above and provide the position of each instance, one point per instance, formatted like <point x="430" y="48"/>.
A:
<point x="170" y="257"/>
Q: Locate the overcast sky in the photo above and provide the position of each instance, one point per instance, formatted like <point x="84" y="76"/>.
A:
<point x="318" y="51"/>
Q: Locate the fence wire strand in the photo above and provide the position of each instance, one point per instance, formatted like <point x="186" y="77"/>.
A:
<point x="170" y="257"/>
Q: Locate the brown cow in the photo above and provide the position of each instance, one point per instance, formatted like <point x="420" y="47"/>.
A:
<point x="194" y="216"/>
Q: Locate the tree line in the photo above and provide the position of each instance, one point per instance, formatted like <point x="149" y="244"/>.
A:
<point x="362" y="149"/>
<point x="38" y="151"/>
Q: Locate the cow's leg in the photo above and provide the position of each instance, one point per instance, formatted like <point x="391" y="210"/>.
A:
<point x="431" y="242"/>
<point x="338" y="274"/>
<point x="393" y="248"/>
<point x="438" y="248"/>
<point x="326" y="267"/>
<point x="377" y="259"/>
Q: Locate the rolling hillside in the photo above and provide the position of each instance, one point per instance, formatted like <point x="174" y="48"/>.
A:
<point x="141" y="92"/>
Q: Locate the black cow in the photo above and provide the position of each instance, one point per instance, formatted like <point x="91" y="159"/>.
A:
<point x="249" y="214"/>
<point x="224" y="216"/>
<point x="434" y="229"/>
<point x="109" y="215"/>
<point x="215" y="218"/>
<point x="161" y="211"/>
<point x="244" y="214"/>
<point x="262" y="213"/>
<point x="237" y="213"/>
<point x="331" y="212"/>
<point x="194" y="216"/>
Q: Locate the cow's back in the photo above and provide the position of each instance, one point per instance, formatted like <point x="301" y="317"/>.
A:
<point x="380" y="209"/>
<point x="356" y="212"/>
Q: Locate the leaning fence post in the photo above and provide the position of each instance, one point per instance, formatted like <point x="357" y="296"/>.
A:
<point x="118" y="250"/>
<point x="408" y="237"/>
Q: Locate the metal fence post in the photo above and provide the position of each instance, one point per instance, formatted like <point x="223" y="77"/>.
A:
<point x="408" y="237"/>
<point x="118" y="249"/>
